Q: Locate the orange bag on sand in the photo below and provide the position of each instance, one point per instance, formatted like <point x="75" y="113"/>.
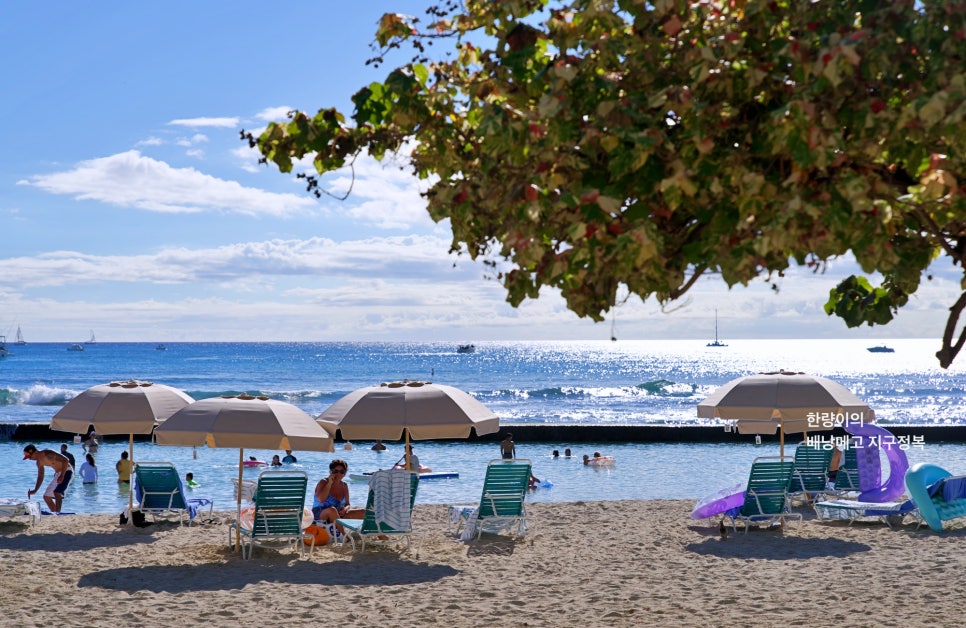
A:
<point x="321" y="535"/>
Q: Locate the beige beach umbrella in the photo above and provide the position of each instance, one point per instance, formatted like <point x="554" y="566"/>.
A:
<point x="243" y="421"/>
<point x="785" y="401"/>
<point x="408" y="409"/>
<point x="131" y="407"/>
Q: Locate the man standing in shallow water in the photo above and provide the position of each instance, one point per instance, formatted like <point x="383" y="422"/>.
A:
<point x="508" y="449"/>
<point x="63" y="472"/>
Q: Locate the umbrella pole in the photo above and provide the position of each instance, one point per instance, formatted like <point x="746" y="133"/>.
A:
<point x="409" y="463"/>
<point x="781" y="437"/>
<point x="130" y="484"/>
<point x="781" y="452"/>
<point x="241" y="466"/>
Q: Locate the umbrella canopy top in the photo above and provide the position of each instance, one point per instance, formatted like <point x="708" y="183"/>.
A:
<point x="801" y="403"/>
<point x="244" y="421"/>
<point x="125" y="407"/>
<point x="428" y="411"/>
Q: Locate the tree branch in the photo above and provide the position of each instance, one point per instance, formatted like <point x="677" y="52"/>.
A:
<point x="949" y="351"/>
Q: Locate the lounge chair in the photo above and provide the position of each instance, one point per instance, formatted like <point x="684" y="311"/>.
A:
<point x="766" y="496"/>
<point x="847" y="476"/>
<point x="939" y="495"/>
<point x="846" y="484"/>
<point x="276" y="515"/>
<point x="158" y="490"/>
<point x="889" y="513"/>
<point x="247" y="489"/>
<point x="15" y="507"/>
<point x="501" y="506"/>
<point x="811" y="472"/>
<point x="389" y="509"/>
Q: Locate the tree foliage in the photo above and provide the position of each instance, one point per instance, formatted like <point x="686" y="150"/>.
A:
<point x="590" y="144"/>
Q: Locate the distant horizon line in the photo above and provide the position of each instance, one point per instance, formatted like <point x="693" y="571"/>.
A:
<point x="490" y="340"/>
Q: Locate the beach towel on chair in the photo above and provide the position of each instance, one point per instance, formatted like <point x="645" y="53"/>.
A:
<point x="472" y="521"/>
<point x="195" y="503"/>
<point x="391" y="498"/>
<point x="11" y="507"/>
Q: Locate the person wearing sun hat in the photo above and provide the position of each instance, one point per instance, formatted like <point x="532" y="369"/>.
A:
<point x="63" y="473"/>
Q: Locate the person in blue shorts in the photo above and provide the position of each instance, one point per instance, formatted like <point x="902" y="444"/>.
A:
<point x="63" y="473"/>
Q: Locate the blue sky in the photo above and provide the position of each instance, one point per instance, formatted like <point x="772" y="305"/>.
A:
<point x="129" y="206"/>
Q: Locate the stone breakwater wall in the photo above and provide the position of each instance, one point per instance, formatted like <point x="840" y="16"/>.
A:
<point x="532" y="433"/>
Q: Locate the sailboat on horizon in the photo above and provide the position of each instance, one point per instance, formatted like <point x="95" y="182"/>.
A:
<point x="18" y="340"/>
<point x="92" y="340"/>
<point x="716" y="343"/>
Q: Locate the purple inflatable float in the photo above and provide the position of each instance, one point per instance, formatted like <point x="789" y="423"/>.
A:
<point x="868" y="442"/>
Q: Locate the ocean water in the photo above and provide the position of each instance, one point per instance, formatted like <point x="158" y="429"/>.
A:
<point x="584" y="383"/>
<point x="641" y="470"/>
<point x="592" y="382"/>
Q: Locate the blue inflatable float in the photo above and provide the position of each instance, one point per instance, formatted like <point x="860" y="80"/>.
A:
<point x="938" y="495"/>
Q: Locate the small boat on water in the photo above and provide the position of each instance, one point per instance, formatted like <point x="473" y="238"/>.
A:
<point x="161" y="347"/>
<point x="3" y="347"/>
<point x="466" y="349"/>
<point x="881" y="349"/>
<point x="716" y="343"/>
<point x="18" y="339"/>
<point x="92" y="340"/>
<point x="75" y="347"/>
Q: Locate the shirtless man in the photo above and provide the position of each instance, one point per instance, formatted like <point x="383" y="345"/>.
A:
<point x="63" y="472"/>
<point x="508" y="450"/>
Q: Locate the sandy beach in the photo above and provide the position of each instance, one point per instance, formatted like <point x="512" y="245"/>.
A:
<point x="619" y="563"/>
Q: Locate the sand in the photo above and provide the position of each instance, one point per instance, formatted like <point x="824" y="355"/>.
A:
<point x="616" y="563"/>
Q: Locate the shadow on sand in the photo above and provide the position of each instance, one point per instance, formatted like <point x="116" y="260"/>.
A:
<point x="63" y="542"/>
<point x="773" y="545"/>
<point x="237" y="575"/>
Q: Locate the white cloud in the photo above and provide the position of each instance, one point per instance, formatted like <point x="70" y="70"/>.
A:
<point x="197" y="138"/>
<point x="315" y="259"/>
<point x="132" y="180"/>
<point x="385" y="288"/>
<point x="384" y="195"/>
<point x="274" y="114"/>
<point x="206" y="122"/>
<point x="151" y="141"/>
<point x="248" y="159"/>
